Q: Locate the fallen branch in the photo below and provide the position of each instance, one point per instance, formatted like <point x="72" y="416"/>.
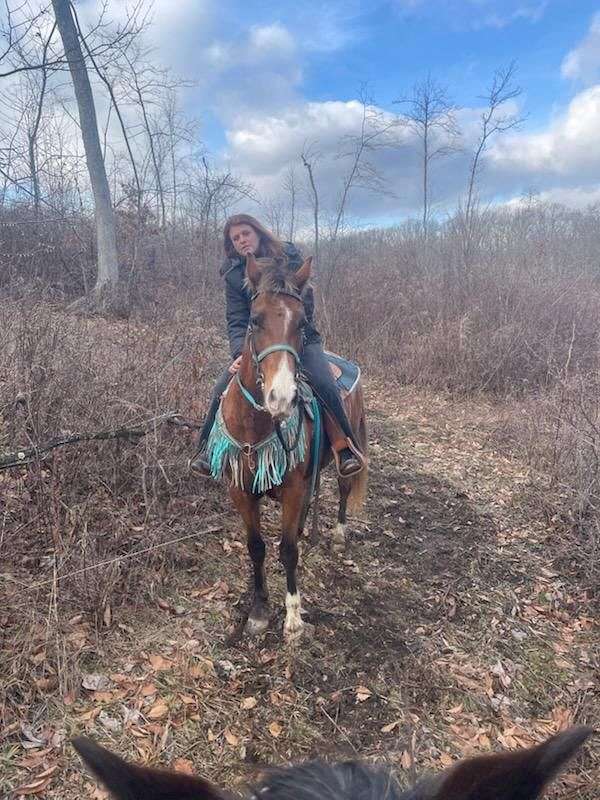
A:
<point x="39" y="452"/>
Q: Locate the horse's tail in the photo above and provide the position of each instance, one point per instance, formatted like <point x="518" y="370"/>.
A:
<point x="358" y="482"/>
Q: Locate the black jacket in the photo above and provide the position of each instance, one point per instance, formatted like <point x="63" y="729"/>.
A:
<point x="238" y="300"/>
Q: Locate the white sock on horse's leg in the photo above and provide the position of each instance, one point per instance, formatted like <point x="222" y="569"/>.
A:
<point x="338" y="540"/>
<point x="293" y="616"/>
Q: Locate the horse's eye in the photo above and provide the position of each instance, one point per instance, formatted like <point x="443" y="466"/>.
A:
<point x="255" y="322"/>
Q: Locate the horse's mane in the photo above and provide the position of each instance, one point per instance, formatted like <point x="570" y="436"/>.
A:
<point x="276" y="276"/>
<point x="317" y="780"/>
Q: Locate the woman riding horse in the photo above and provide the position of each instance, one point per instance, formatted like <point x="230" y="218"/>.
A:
<point x="242" y="236"/>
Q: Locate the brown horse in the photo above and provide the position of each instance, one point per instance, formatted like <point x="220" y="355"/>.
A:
<point x="260" y="402"/>
<point x="516" y="775"/>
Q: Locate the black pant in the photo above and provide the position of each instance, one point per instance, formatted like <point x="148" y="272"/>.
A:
<point x="316" y="368"/>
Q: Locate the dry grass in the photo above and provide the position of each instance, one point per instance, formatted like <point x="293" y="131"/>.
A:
<point x="465" y="602"/>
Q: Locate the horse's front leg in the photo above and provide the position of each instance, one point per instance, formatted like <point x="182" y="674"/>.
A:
<point x="249" y="508"/>
<point x="293" y="504"/>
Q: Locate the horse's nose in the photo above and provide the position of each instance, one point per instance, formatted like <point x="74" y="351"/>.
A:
<point x="280" y="404"/>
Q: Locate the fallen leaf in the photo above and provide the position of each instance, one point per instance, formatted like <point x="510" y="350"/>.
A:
<point x="249" y="702"/>
<point x="34" y="787"/>
<point x="159" y="663"/>
<point x="46" y="684"/>
<point x="103" y="697"/>
<point x="406" y="760"/>
<point x="110" y="723"/>
<point x="275" y="729"/>
<point x="362" y="694"/>
<point x="148" y="689"/>
<point x="95" y="682"/>
<point x="69" y="698"/>
<point x="563" y="718"/>
<point x="158" y="710"/>
<point x="390" y="726"/>
<point x="31" y="739"/>
<point x="231" y="738"/>
<point x="183" y="765"/>
<point x="187" y="699"/>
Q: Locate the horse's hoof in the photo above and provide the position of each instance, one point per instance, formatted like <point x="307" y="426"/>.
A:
<point x="293" y="633"/>
<point x="338" y="540"/>
<point x="257" y="625"/>
<point x="299" y="633"/>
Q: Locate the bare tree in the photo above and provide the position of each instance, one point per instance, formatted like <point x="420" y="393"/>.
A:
<point x="495" y="119"/>
<point x="19" y="30"/>
<point x="309" y="157"/>
<point x="108" y="267"/>
<point x="373" y="134"/>
<point x="290" y="186"/>
<point x="147" y="86"/>
<point x="430" y="115"/>
<point x="109" y="84"/>
<point x="34" y="129"/>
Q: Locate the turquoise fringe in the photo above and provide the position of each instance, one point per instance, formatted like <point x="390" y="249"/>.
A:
<point x="272" y="462"/>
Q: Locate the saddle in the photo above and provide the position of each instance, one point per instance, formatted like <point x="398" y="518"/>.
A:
<point x="346" y="373"/>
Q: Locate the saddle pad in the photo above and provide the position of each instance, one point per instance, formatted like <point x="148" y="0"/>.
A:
<point x="346" y="373"/>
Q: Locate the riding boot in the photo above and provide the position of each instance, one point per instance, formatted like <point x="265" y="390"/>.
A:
<point x="198" y="463"/>
<point x="348" y="458"/>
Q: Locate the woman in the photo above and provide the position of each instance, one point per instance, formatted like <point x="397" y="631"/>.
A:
<point x="242" y="235"/>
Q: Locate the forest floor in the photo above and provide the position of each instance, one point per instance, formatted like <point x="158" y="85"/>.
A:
<point x="454" y="623"/>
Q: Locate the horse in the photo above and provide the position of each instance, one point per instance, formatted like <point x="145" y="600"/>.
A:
<point x="263" y="441"/>
<point x="516" y="775"/>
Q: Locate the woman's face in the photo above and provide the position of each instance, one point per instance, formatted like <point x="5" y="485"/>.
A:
<point x="244" y="239"/>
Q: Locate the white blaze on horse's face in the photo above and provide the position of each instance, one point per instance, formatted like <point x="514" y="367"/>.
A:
<point x="280" y="387"/>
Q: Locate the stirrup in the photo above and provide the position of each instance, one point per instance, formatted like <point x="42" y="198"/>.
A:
<point x="199" y="465"/>
<point x="362" y="461"/>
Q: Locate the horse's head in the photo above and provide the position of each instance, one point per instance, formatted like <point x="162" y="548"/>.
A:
<point x="276" y="326"/>
<point x="518" y="775"/>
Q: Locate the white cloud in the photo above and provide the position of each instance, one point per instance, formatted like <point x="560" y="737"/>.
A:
<point x="577" y="197"/>
<point x="476" y="14"/>
<point x="568" y="148"/>
<point x="271" y="39"/>
<point x="262" y="147"/>
<point x="583" y="62"/>
<point x="560" y="163"/>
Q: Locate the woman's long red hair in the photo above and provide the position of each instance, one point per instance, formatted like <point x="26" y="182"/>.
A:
<point x="268" y="244"/>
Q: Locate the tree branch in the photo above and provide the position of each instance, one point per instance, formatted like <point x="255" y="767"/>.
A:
<point x="39" y="452"/>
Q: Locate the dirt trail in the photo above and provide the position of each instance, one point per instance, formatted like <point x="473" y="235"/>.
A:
<point x="445" y="628"/>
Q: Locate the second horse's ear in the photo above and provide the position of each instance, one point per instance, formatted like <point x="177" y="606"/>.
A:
<point x="252" y="271"/>
<point x="302" y="275"/>
<point x="517" y="775"/>
<point x="133" y="782"/>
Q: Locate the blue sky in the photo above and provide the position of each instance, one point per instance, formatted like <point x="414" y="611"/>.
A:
<point x="391" y="45"/>
<point x="270" y="77"/>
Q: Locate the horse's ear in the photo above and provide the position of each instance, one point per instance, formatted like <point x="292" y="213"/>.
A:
<point x="252" y="271"/>
<point x="518" y="775"/>
<point x="133" y="782"/>
<point x="302" y="275"/>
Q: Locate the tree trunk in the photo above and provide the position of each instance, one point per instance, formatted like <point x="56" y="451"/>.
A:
<point x="108" y="265"/>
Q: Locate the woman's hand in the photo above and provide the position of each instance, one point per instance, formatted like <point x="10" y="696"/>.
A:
<point x="233" y="368"/>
